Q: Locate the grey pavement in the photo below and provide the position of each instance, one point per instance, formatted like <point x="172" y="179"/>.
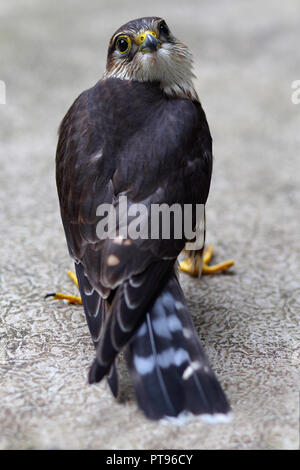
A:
<point x="246" y="58"/>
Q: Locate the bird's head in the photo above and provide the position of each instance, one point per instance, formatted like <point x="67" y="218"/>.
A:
<point x="145" y="50"/>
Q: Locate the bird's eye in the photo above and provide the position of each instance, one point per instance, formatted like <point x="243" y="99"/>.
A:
<point x="123" y="44"/>
<point x="163" y="28"/>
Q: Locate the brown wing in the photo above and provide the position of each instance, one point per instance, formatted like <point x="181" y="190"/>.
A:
<point x="124" y="138"/>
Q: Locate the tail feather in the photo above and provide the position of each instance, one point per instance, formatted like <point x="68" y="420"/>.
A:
<point x="169" y="368"/>
<point x="96" y="308"/>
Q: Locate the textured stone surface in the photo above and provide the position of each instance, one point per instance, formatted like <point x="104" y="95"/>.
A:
<point x="245" y="59"/>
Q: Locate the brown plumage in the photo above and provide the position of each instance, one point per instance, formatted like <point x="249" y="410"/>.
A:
<point x="140" y="132"/>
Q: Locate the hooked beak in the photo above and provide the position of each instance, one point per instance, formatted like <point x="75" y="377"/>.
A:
<point x="148" y="42"/>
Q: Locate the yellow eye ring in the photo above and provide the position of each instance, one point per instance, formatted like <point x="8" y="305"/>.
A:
<point x="123" y="44"/>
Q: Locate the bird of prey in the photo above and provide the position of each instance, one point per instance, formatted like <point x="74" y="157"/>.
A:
<point x="140" y="132"/>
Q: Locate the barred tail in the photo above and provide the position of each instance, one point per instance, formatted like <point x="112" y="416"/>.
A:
<point x="170" y="371"/>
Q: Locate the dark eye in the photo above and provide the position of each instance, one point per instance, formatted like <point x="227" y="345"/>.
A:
<point x="163" y="28"/>
<point x="123" y="44"/>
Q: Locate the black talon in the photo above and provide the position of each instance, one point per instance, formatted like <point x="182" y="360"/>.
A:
<point x="52" y="294"/>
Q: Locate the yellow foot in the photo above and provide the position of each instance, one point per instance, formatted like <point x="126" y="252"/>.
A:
<point x="216" y="268"/>
<point x="72" y="299"/>
<point x="193" y="264"/>
<point x="73" y="276"/>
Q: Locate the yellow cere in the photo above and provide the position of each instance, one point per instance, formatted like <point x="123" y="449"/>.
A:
<point x="142" y="36"/>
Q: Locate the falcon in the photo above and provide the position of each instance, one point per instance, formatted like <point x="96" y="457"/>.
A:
<point x="140" y="132"/>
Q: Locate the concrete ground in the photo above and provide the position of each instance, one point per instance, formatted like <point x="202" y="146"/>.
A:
<point x="246" y="59"/>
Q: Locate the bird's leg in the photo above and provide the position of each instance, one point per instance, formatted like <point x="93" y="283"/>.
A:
<point x="72" y="299"/>
<point x="197" y="263"/>
<point x="193" y="263"/>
